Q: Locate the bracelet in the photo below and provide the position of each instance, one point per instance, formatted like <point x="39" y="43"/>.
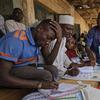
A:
<point x="39" y="85"/>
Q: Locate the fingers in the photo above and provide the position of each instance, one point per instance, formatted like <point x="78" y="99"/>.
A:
<point x="49" y="85"/>
<point x="57" y="29"/>
<point x="55" y="24"/>
<point x="54" y="85"/>
<point x="73" y="72"/>
<point x="93" y="63"/>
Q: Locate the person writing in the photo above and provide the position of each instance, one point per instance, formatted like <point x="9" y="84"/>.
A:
<point x="60" y="59"/>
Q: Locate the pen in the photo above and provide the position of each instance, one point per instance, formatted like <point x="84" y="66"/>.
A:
<point x="66" y="98"/>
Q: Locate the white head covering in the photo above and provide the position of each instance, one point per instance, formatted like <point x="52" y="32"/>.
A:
<point x="2" y="27"/>
<point x="66" y="19"/>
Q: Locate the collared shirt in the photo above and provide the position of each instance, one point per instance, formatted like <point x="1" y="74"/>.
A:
<point x="19" y="47"/>
<point x="93" y="41"/>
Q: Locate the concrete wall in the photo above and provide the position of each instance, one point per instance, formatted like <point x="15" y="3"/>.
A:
<point x="6" y="7"/>
<point x="17" y="4"/>
<point x="63" y="7"/>
<point x="57" y="6"/>
<point x="28" y="9"/>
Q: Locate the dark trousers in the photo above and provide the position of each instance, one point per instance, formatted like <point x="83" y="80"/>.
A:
<point x="49" y="73"/>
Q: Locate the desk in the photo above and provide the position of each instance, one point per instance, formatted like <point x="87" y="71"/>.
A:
<point x="92" y="83"/>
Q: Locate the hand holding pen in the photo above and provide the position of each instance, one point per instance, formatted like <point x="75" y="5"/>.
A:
<point x="72" y="71"/>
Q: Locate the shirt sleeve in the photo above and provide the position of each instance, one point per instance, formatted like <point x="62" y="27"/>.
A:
<point x="67" y="61"/>
<point x="10" y="49"/>
<point x="89" y="38"/>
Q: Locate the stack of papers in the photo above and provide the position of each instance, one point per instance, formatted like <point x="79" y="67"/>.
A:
<point x="91" y="93"/>
<point x="34" y="96"/>
<point x="65" y="91"/>
<point x="86" y="69"/>
<point x="86" y="73"/>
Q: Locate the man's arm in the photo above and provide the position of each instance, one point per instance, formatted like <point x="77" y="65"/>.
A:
<point x="50" y="56"/>
<point x="91" y="56"/>
<point x="8" y="80"/>
<point x="89" y="37"/>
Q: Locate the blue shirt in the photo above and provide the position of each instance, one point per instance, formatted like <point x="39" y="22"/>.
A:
<point x="19" y="47"/>
<point x="93" y="41"/>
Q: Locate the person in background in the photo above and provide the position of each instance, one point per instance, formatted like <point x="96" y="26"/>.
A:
<point x="19" y="52"/>
<point x="14" y="23"/>
<point x="2" y="27"/>
<point x="80" y="55"/>
<point x="93" y="39"/>
<point x="60" y="59"/>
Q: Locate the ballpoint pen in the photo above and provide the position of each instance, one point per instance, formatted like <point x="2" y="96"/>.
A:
<point x="65" y="98"/>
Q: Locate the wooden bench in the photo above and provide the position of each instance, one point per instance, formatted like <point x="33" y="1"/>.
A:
<point x="13" y="94"/>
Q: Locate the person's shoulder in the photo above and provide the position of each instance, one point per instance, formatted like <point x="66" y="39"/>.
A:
<point x="94" y="28"/>
<point x="21" y="25"/>
<point x="13" y="36"/>
<point x="13" y="43"/>
<point x="10" y="21"/>
<point x="12" y="40"/>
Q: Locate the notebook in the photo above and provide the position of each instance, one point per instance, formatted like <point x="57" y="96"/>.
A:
<point x="65" y="90"/>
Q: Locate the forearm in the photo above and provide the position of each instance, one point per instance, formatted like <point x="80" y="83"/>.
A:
<point x="51" y="56"/>
<point x="76" y="65"/>
<point x="14" y="82"/>
<point x="90" y="53"/>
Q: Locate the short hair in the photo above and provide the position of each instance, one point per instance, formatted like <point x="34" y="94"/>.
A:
<point x="16" y="12"/>
<point x="45" y="22"/>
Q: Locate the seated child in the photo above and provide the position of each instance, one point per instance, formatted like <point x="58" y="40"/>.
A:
<point x="79" y="55"/>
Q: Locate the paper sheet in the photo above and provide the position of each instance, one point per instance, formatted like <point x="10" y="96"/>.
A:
<point x="86" y="73"/>
<point x="34" y="96"/>
<point x="67" y="87"/>
<point x="91" y="93"/>
<point x="86" y="69"/>
<point x="64" y="92"/>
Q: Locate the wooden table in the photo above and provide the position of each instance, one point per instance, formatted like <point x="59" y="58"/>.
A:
<point x="92" y="83"/>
